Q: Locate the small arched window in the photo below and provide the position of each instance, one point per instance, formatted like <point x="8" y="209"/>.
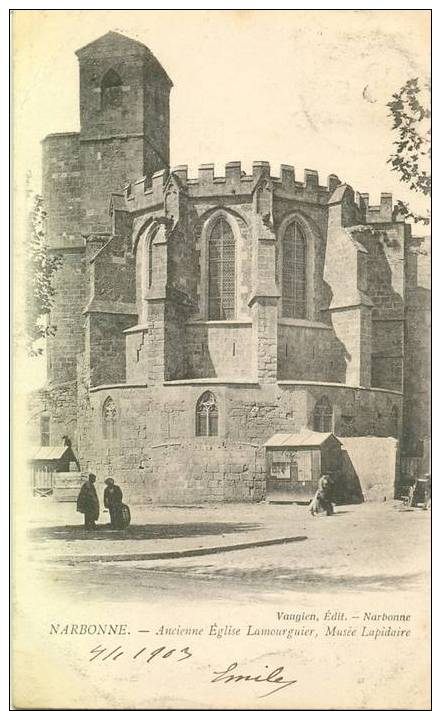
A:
<point x="221" y="272"/>
<point x="111" y="90"/>
<point x="293" y="272"/>
<point x="110" y="419"/>
<point x="323" y="415"/>
<point x="206" y="416"/>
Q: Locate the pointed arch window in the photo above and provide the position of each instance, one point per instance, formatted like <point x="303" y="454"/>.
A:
<point x="221" y="272"/>
<point x="323" y="415"/>
<point x="110" y="419"/>
<point x="293" y="272"/>
<point x="395" y="420"/>
<point x="206" y="416"/>
<point x="111" y="90"/>
<point x="151" y="258"/>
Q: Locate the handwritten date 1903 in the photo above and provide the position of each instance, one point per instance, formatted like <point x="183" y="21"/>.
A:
<point x="143" y="654"/>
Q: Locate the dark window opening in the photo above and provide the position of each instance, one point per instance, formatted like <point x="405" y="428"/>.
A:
<point x="111" y="90"/>
<point x="323" y="416"/>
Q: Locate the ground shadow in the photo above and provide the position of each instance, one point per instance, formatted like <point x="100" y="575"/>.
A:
<point x="140" y="533"/>
<point x="311" y="579"/>
<point x="206" y="582"/>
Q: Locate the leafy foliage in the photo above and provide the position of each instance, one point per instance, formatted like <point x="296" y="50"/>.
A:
<point x="40" y="267"/>
<point x="410" y="112"/>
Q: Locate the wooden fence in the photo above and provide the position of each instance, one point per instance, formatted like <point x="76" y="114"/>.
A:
<point x="42" y="483"/>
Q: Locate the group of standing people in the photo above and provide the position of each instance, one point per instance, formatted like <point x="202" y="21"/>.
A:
<point x="89" y="505"/>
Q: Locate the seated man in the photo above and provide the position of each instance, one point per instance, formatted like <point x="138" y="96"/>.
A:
<point x="322" y="500"/>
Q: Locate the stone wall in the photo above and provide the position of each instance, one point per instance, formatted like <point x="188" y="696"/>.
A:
<point x="59" y="403"/>
<point x="192" y="472"/>
<point x="218" y="350"/>
<point x="113" y="275"/>
<point x="62" y="189"/>
<point x="358" y="412"/>
<point x="156" y="440"/>
<point x="385" y="287"/>
<point x="105" y="347"/>
<point x="67" y="316"/>
<point x="310" y="352"/>
<point x="107" y="165"/>
<point x="174" y="340"/>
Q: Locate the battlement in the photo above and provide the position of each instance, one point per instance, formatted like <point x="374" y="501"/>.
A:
<point x="234" y="182"/>
<point x="383" y="212"/>
<point x="144" y="194"/>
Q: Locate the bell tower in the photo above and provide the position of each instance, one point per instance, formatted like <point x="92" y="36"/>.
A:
<point x="125" y="121"/>
<point x="124" y="136"/>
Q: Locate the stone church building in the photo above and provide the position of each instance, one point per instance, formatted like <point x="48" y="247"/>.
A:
<point x="198" y="317"/>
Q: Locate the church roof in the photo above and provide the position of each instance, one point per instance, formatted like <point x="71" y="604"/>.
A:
<point x="49" y="453"/>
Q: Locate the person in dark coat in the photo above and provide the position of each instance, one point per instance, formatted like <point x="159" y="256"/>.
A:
<point x="325" y="487"/>
<point x="88" y="504"/>
<point x="112" y="500"/>
<point x="322" y="500"/>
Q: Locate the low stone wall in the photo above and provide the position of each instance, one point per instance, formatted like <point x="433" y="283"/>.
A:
<point x="190" y="472"/>
<point x="155" y="455"/>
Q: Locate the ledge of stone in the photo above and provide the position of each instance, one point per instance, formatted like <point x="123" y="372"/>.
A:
<point x="304" y="323"/>
<point x="337" y="385"/>
<point x="219" y="323"/>
<point x="212" y="381"/>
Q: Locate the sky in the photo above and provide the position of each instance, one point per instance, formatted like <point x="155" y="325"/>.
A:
<point x="307" y="88"/>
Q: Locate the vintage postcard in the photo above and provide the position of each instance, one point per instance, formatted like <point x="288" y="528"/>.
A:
<point x="221" y="417"/>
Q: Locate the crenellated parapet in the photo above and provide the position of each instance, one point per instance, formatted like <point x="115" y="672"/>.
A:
<point x="384" y="212"/>
<point x="147" y="194"/>
<point x="234" y="183"/>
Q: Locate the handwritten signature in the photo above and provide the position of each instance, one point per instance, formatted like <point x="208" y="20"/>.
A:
<point x="230" y="674"/>
<point x="274" y="676"/>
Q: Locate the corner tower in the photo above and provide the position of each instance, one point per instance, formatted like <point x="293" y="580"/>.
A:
<point x="125" y="126"/>
<point x="125" y="121"/>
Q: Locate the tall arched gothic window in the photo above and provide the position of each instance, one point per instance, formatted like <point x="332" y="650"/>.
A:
<point x="206" y="416"/>
<point x="110" y="419"/>
<point x="293" y="272"/>
<point x="221" y="272"/>
<point x="323" y="415"/>
<point x="111" y="90"/>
